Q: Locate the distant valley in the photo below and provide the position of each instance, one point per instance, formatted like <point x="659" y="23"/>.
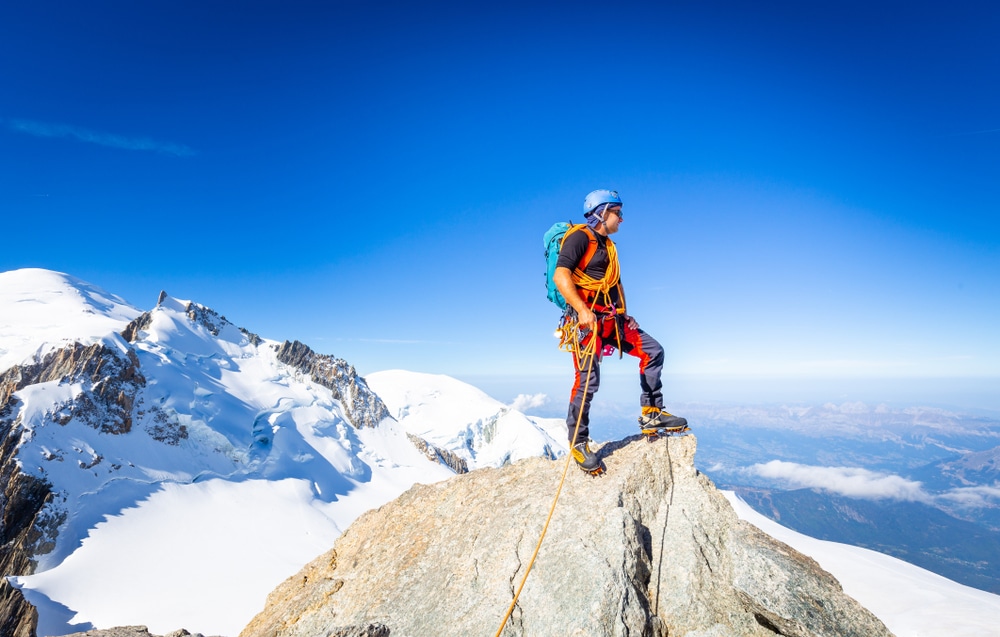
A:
<point x="921" y="484"/>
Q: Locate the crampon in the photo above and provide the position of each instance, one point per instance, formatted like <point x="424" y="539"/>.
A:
<point x="655" y="433"/>
<point x="600" y="470"/>
<point x="587" y="460"/>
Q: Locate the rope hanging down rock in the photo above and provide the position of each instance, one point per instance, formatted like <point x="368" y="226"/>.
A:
<point x="588" y="355"/>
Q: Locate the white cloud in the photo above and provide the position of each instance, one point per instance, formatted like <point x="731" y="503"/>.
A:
<point x="524" y="402"/>
<point x="852" y="482"/>
<point x="41" y="129"/>
<point x="979" y="496"/>
<point x="855" y="482"/>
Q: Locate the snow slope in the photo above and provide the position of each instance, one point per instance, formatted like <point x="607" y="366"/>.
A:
<point x="462" y="419"/>
<point x="43" y="310"/>
<point x="911" y="601"/>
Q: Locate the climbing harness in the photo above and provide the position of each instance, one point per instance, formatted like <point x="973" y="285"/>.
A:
<point x="568" y="332"/>
<point x="588" y="353"/>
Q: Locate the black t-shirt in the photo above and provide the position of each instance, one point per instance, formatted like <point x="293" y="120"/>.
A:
<point x="575" y="246"/>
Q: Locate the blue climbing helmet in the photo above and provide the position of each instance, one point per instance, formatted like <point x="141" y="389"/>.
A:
<point x="598" y="198"/>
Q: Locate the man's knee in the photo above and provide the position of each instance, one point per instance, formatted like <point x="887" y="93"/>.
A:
<point x="647" y="348"/>
<point x="656" y="354"/>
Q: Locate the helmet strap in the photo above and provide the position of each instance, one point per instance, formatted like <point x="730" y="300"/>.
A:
<point x="597" y="218"/>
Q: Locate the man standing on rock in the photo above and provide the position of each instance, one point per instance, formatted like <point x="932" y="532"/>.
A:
<point x="587" y="276"/>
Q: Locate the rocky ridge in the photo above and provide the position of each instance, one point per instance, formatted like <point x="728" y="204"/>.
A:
<point x="439" y="455"/>
<point x="650" y="549"/>
<point x="361" y="406"/>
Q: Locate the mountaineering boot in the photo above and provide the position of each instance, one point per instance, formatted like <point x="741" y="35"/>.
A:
<point x="586" y="459"/>
<point x="655" y="422"/>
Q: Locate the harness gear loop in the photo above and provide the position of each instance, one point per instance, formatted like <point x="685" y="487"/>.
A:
<point x="588" y="354"/>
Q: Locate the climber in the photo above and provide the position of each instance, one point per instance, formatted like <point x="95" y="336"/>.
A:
<point x="587" y="276"/>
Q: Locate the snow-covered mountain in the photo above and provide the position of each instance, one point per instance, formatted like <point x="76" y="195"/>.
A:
<point x="456" y="416"/>
<point x="172" y="447"/>
<point x="174" y="434"/>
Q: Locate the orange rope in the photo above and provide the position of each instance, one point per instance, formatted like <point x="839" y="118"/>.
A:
<point x="611" y="276"/>
<point x="589" y="356"/>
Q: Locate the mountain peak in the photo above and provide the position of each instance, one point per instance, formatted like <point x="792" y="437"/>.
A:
<point x="42" y="310"/>
<point x="651" y="549"/>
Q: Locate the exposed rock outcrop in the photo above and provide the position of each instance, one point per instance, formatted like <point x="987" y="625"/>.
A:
<point x="18" y="618"/>
<point x="111" y="376"/>
<point x="21" y="501"/>
<point x="650" y="549"/>
<point x="362" y="407"/>
<point x="138" y="324"/>
<point x="439" y="455"/>
<point x="199" y="314"/>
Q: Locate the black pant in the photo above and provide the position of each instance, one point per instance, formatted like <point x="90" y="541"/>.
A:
<point x="634" y="342"/>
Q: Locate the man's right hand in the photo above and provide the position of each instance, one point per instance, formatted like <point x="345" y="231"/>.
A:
<point x="586" y="319"/>
<point x="563" y="279"/>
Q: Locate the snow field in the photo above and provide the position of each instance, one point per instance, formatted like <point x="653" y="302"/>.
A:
<point x="910" y="601"/>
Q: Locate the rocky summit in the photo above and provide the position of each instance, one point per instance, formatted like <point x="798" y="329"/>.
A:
<point x="651" y="548"/>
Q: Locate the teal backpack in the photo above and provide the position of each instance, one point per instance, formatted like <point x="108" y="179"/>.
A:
<point x="553" y="242"/>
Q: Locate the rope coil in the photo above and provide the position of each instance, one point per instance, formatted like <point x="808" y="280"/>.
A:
<point x="610" y="279"/>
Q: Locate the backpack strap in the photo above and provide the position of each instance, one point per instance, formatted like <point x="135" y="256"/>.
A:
<point x="591" y="245"/>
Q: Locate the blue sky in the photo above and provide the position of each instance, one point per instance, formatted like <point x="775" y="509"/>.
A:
<point x="811" y="188"/>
